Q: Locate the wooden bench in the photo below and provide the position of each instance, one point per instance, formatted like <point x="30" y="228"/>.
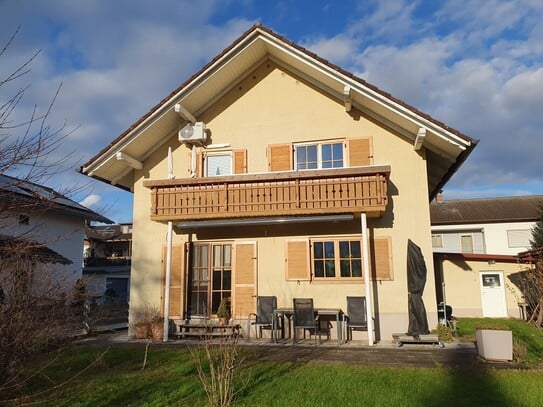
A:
<point x="205" y="330"/>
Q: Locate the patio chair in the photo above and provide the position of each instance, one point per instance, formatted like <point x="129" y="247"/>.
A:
<point x="356" y="316"/>
<point x="306" y="318"/>
<point x="265" y="305"/>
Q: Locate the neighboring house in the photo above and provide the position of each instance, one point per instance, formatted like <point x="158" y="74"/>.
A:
<point x="107" y="260"/>
<point x="273" y="172"/>
<point x="46" y="230"/>
<point x="475" y="243"/>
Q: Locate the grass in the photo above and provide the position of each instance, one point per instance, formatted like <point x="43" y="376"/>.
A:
<point x="170" y="379"/>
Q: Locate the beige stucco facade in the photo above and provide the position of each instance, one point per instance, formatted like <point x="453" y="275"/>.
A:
<point x="272" y="105"/>
<point x="464" y="291"/>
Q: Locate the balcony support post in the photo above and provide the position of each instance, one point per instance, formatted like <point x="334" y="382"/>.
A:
<point x="168" y="280"/>
<point x="367" y="282"/>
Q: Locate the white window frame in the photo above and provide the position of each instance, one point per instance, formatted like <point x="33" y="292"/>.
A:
<point x="319" y="145"/>
<point x="337" y="264"/>
<point x="218" y="154"/>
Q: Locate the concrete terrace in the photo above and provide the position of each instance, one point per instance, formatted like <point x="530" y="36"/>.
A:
<point x="454" y="355"/>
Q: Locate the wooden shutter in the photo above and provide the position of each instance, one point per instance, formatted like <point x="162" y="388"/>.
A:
<point x="199" y="164"/>
<point x="176" y="280"/>
<point x="382" y="256"/>
<point x="297" y="260"/>
<point x="280" y="157"/>
<point x="239" y="164"/>
<point x="244" y="279"/>
<point x="360" y="151"/>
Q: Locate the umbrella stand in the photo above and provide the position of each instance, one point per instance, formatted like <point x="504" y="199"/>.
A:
<point x="418" y="331"/>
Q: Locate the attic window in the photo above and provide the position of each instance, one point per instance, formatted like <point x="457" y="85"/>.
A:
<point x="24" y="220"/>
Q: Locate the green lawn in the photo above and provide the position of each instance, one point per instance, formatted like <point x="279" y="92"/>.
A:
<point x="527" y="340"/>
<point x="170" y="379"/>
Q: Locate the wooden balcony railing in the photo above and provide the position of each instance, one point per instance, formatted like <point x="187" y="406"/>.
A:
<point x="344" y="190"/>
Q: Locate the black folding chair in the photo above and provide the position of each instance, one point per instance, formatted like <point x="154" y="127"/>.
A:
<point x="306" y="318"/>
<point x="356" y="316"/>
<point x="265" y="305"/>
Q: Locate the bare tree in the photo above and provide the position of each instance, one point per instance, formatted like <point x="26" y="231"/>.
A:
<point x="34" y="303"/>
<point x="28" y="146"/>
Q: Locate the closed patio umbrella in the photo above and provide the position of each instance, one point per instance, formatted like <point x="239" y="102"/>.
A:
<point x="416" y="279"/>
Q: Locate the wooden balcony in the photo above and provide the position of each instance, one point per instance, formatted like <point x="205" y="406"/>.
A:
<point x="315" y="192"/>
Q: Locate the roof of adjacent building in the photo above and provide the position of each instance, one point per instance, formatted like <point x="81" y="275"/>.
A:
<point x="26" y="196"/>
<point x="109" y="233"/>
<point x="486" y="210"/>
<point x="446" y="147"/>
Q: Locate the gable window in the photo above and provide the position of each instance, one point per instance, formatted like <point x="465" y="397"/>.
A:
<point x="350" y="152"/>
<point x="218" y="164"/>
<point x="312" y="156"/>
<point x="336" y="259"/>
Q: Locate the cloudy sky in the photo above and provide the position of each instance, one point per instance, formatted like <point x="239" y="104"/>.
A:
<point x="476" y="66"/>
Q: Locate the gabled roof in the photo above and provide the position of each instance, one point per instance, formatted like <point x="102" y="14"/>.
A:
<point x="446" y="147"/>
<point x="27" y="196"/>
<point x="486" y="210"/>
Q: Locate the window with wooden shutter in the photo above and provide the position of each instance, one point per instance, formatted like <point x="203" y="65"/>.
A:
<point x="382" y="258"/>
<point x="297" y="263"/>
<point x="360" y="151"/>
<point x="280" y="157"/>
<point x="176" y="279"/>
<point x="336" y="259"/>
<point x="213" y="163"/>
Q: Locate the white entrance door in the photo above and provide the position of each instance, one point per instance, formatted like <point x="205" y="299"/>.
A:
<point x="493" y="294"/>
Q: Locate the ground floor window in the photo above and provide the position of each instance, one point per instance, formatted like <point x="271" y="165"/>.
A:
<point x="336" y="259"/>
<point x="210" y="278"/>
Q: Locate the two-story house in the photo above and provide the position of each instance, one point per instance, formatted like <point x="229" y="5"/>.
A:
<point x="475" y="243"/>
<point x="272" y="172"/>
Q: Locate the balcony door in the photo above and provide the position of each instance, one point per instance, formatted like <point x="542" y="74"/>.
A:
<point x="222" y="270"/>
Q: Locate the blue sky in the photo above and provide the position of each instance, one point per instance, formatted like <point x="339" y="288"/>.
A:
<point x="476" y="66"/>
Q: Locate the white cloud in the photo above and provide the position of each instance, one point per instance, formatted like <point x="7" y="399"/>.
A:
<point x="91" y="201"/>
<point x="475" y="68"/>
<point x="338" y="49"/>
